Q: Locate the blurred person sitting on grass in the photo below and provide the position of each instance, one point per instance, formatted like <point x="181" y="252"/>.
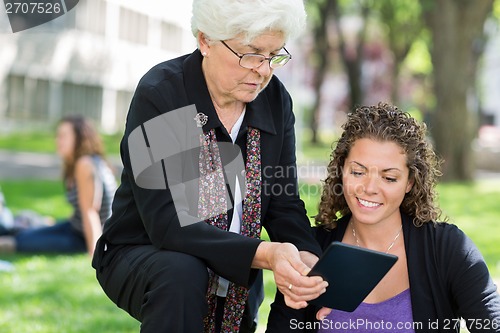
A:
<point x="89" y="184"/>
<point x="379" y="194"/>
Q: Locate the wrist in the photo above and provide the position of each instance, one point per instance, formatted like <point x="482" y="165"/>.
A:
<point x="262" y="258"/>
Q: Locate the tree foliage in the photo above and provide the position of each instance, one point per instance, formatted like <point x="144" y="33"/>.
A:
<point x="456" y="42"/>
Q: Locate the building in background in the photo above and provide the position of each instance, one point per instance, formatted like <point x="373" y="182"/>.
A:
<point x="87" y="61"/>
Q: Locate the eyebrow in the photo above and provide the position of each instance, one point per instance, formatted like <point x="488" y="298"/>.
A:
<point x="258" y="49"/>
<point x="384" y="170"/>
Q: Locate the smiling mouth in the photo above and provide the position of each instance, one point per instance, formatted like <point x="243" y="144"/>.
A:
<point x="368" y="204"/>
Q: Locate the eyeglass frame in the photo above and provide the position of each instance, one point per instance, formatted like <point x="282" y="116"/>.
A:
<point x="257" y="54"/>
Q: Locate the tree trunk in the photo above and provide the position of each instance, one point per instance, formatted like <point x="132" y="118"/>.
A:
<point x="455" y="25"/>
<point x="321" y="53"/>
<point x="352" y="60"/>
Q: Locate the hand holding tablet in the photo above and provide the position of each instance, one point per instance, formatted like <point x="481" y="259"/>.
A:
<point x="351" y="272"/>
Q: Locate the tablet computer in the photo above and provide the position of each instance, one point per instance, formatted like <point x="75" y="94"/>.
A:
<point x="351" y="272"/>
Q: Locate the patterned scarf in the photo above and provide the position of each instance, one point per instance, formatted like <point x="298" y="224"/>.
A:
<point x="213" y="199"/>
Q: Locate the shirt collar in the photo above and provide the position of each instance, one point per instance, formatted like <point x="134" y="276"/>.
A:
<point x="258" y="112"/>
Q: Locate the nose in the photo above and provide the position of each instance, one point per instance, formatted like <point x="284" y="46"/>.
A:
<point x="371" y="184"/>
<point x="264" y="69"/>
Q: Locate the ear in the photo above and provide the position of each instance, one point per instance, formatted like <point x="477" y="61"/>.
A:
<point x="409" y="185"/>
<point x="203" y="43"/>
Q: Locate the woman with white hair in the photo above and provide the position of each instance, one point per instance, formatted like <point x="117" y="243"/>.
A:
<point x="183" y="265"/>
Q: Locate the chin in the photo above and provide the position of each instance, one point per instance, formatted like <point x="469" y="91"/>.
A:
<point x="247" y="98"/>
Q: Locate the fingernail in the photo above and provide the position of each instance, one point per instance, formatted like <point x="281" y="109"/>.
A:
<point x="322" y="318"/>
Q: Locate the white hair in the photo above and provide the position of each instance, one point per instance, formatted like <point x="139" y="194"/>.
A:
<point x="226" y="19"/>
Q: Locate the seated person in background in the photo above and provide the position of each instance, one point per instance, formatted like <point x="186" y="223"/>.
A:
<point x="6" y="216"/>
<point x="379" y="194"/>
<point x="90" y="185"/>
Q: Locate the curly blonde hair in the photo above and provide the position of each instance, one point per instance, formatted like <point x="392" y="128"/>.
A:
<point x="384" y="122"/>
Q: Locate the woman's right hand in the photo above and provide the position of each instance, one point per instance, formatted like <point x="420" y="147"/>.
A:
<point x="290" y="273"/>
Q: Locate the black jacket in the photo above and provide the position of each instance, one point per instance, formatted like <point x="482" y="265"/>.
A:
<point x="448" y="280"/>
<point x="145" y="216"/>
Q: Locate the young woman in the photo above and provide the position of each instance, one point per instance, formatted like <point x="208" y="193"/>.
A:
<point x="89" y="184"/>
<point x="379" y="194"/>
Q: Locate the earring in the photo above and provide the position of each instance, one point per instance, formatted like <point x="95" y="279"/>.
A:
<point x="204" y="54"/>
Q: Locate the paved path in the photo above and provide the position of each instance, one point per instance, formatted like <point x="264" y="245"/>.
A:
<point x="25" y="165"/>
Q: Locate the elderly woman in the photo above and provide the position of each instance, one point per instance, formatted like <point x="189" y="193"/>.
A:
<point x="182" y="266"/>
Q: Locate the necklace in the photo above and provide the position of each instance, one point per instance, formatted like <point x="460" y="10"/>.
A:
<point x="390" y="246"/>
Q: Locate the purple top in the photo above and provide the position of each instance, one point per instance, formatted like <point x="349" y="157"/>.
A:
<point x="390" y="316"/>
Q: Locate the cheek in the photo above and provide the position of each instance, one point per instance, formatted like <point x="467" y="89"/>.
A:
<point x="67" y="146"/>
<point x="64" y="148"/>
<point x="352" y="187"/>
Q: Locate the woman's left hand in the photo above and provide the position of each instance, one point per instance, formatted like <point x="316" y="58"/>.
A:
<point x="322" y="313"/>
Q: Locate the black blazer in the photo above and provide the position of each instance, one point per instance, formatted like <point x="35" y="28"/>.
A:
<point x="145" y="216"/>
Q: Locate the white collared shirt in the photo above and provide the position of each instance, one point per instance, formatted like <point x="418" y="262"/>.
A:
<point x="238" y="206"/>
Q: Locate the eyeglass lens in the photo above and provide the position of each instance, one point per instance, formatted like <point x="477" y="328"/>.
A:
<point x="255" y="60"/>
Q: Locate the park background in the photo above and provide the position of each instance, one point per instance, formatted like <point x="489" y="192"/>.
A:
<point x="439" y="59"/>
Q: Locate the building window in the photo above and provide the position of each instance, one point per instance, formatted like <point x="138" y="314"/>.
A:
<point x="91" y="16"/>
<point x="133" y="26"/>
<point x="171" y="37"/>
<point x="82" y="99"/>
<point x="28" y="98"/>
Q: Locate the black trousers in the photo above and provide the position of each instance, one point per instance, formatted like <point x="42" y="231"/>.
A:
<point x="164" y="290"/>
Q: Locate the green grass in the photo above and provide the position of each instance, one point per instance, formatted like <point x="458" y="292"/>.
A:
<point x="53" y="293"/>
<point x="49" y="294"/>
<point x="60" y="294"/>
<point x="475" y="209"/>
<point x="46" y="197"/>
<point x="44" y="142"/>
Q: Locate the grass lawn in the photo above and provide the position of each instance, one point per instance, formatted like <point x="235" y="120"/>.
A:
<point x="47" y="294"/>
<point x="44" y="142"/>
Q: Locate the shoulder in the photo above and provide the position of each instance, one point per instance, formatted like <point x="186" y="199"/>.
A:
<point x="162" y="72"/>
<point x="442" y="232"/>
<point x="84" y="166"/>
<point x="165" y="78"/>
<point x="447" y="241"/>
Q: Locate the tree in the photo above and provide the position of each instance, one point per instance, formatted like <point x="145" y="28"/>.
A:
<point x="352" y="55"/>
<point x="456" y="27"/>
<point x="321" y="53"/>
<point x="403" y="23"/>
<point x="351" y="52"/>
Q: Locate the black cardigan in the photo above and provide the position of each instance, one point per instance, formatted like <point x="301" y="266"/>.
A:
<point x="448" y="280"/>
<point x="145" y="216"/>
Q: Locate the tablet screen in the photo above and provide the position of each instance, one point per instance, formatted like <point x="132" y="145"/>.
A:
<point x="351" y="272"/>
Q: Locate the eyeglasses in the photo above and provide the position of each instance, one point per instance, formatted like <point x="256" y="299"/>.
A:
<point x="254" y="60"/>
